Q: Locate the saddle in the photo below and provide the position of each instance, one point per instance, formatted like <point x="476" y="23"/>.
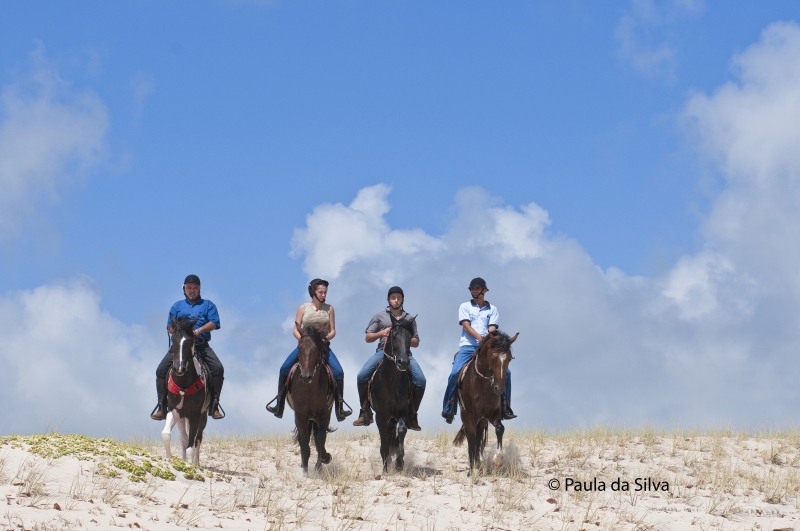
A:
<point x="332" y="387"/>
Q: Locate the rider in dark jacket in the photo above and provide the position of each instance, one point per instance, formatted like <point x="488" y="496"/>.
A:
<point x="205" y="311"/>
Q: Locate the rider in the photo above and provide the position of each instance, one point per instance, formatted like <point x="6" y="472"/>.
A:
<point x="379" y="328"/>
<point x="477" y="318"/>
<point x="321" y="316"/>
<point x="205" y="311"/>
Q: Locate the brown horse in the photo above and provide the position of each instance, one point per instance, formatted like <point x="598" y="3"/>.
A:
<point x="481" y="383"/>
<point x="311" y="396"/>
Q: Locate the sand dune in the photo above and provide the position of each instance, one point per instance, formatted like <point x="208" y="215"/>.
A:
<point x="713" y="481"/>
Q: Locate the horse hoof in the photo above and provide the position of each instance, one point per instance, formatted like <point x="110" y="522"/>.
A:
<point x="326" y="459"/>
<point x="399" y="466"/>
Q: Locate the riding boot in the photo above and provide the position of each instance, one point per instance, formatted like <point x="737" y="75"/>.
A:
<point x="277" y="409"/>
<point x="453" y="407"/>
<point x="365" y="417"/>
<point x="341" y="414"/>
<point x="416" y="394"/>
<point x="505" y="407"/>
<point x="160" y="411"/>
<point x="216" y="389"/>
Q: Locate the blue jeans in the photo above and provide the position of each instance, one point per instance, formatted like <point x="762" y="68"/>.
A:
<point x="336" y="367"/>
<point x="462" y="357"/>
<point x="417" y="378"/>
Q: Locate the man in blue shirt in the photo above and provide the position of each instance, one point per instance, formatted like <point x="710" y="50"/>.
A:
<point x="477" y="318"/>
<point x="205" y="311"/>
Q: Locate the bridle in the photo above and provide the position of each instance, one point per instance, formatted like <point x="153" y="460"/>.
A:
<point x="393" y="357"/>
<point x="319" y="357"/>
<point x="475" y="365"/>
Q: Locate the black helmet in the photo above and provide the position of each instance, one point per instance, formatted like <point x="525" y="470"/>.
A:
<point x="312" y="286"/>
<point x="395" y="289"/>
<point x="477" y="282"/>
<point x="192" y="279"/>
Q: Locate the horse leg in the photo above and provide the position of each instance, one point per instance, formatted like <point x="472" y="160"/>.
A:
<point x="471" y="447"/>
<point x="323" y="457"/>
<point x="190" y="447"/>
<point x="166" y="433"/>
<point x="401" y="436"/>
<point x="303" y="437"/>
<point x="182" y="429"/>
<point x="498" y="431"/>
<point x="385" y="433"/>
<point x="198" y="439"/>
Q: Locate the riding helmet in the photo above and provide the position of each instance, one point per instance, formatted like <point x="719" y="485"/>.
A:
<point x="395" y="289"/>
<point x="312" y="286"/>
<point x="477" y="282"/>
<point x="192" y="279"/>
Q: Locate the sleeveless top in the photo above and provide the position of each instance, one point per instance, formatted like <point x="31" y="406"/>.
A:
<point x="319" y="319"/>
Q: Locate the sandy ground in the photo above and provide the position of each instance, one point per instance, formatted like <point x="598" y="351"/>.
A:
<point x="715" y="481"/>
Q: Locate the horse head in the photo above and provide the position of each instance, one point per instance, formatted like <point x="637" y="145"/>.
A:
<point x="496" y="350"/>
<point x="311" y="349"/>
<point x="183" y="341"/>
<point x="398" y="344"/>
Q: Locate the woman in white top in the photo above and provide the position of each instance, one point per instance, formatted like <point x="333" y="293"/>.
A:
<point x="321" y="316"/>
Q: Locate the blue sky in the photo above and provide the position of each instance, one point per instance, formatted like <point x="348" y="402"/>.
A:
<point x="179" y="138"/>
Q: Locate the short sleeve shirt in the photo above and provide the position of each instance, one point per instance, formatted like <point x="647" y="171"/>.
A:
<point x="203" y="310"/>
<point x="383" y="320"/>
<point x="479" y="319"/>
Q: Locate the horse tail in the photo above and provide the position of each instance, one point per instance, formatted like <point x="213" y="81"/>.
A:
<point x="460" y="436"/>
<point x="295" y="436"/>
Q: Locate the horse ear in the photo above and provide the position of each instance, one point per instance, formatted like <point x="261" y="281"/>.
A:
<point x="514" y="338"/>
<point x="194" y="321"/>
<point x="394" y="319"/>
<point x="172" y="321"/>
<point x="412" y="319"/>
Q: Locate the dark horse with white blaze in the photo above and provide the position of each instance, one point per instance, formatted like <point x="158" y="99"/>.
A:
<point x="311" y="396"/>
<point x="188" y="396"/>
<point x="390" y="392"/>
<point x="481" y="383"/>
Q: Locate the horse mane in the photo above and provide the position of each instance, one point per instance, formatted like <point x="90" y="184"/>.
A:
<point x="184" y="324"/>
<point x="313" y="334"/>
<point x="502" y="341"/>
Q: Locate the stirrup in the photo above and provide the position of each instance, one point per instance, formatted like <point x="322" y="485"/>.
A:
<point x="219" y="408"/>
<point x="160" y="410"/>
<point x="274" y="408"/>
<point x="341" y="413"/>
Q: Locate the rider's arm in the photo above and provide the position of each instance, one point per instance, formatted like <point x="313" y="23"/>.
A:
<point x="208" y="327"/>
<point x="374" y="336"/>
<point x="471" y="331"/>
<point x="332" y="332"/>
<point x="494" y="319"/>
<point x="297" y="330"/>
<point x="414" y="342"/>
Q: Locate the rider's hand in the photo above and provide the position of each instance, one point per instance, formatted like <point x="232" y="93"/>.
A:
<point x="385" y="332"/>
<point x="196" y="331"/>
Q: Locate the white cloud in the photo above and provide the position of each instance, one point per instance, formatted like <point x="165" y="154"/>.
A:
<point x="712" y="341"/>
<point x="66" y="362"/>
<point x="142" y="85"/>
<point x="49" y="135"/>
<point x="643" y="38"/>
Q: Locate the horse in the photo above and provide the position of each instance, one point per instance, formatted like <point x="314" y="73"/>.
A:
<point x="390" y="392"/>
<point x="481" y="383"/>
<point x="311" y="396"/>
<point x="188" y="395"/>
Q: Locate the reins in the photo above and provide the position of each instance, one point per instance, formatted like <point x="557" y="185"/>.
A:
<point x="475" y="365"/>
